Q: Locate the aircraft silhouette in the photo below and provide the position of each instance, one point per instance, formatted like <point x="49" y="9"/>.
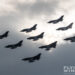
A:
<point x="57" y="20"/>
<point x="48" y="47"/>
<point x="72" y="39"/>
<point x="66" y="28"/>
<point x="13" y="46"/>
<point x="4" y="35"/>
<point x="32" y="59"/>
<point x="29" y="29"/>
<point x="35" y="38"/>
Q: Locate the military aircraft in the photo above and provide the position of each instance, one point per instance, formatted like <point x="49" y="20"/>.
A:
<point x="66" y="28"/>
<point x="4" y="35"/>
<point x="57" y="20"/>
<point x="35" y="38"/>
<point x="32" y="59"/>
<point x="72" y="39"/>
<point x="29" y="29"/>
<point x="13" y="46"/>
<point x="48" y="47"/>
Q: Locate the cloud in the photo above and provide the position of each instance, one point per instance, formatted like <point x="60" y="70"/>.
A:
<point x="21" y="13"/>
<point x="6" y="7"/>
<point x="30" y="7"/>
<point x="38" y="7"/>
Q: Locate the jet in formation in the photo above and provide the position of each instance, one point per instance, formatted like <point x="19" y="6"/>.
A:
<point x="4" y="35"/>
<point x="33" y="59"/>
<point x="72" y="39"/>
<point x="48" y="47"/>
<point x="66" y="28"/>
<point x="13" y="46"/>
<point x="35" y="38"/>
<point x="29" y="29"/>
<point x="57" y="20"/>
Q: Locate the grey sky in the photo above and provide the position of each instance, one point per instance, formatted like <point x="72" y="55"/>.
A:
<point x="16" y="15"/>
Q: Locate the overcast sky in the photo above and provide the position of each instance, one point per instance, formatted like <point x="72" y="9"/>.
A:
<point x="16" y="15"/>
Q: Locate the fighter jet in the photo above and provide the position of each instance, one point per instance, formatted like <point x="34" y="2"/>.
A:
<point x="66" y="28"/>
<point x="4" y="35"/>
<point x="48" y="47"/>
<point x="32" y="59"/>
<point x="13" y="46"/>
<point x="35" y="38"/>
<point x="57" y="21"/>
<point x="72" y="39"/>
<point x="29" y="29"/>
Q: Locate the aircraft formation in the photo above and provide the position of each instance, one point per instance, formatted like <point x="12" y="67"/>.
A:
<point x="39" y="36"/>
